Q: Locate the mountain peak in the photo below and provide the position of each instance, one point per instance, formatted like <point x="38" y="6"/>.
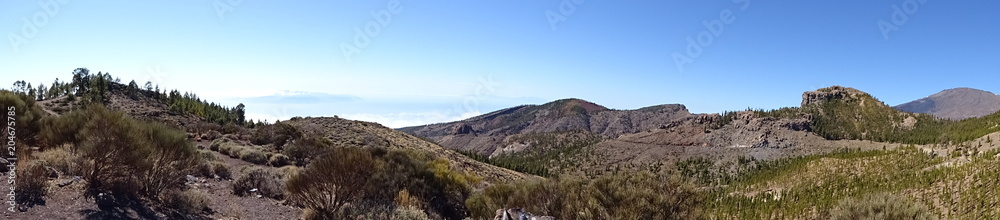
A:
<point x="575" y="105"/>
<point x="957" y="103"/>
<point x="962" y="91"/>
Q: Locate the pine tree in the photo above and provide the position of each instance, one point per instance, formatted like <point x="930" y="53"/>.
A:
<point x="41" y="91"/>
<point x="240" y="111"/>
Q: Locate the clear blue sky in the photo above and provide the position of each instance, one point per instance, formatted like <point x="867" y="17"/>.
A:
<point x="436" y="61"/>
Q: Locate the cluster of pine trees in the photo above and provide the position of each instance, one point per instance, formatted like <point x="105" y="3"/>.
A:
<point x="95" y="88"/>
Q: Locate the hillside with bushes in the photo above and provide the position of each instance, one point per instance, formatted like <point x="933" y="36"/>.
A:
<point x="95" y="148"/>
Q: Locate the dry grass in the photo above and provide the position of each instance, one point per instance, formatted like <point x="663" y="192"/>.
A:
<point x="61" y="160"/>
<point x="187" y="202"/>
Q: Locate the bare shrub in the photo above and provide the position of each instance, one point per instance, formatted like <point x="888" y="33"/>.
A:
<point x="204" y="169"/>
<point x="186" y="203"/>
<point x="221" y="170"/>
<point x="349" y="169"/>
<point x="31" y="184"/>
<point x="409" y="213"/>
<point x="278" y="160"/>
<point x="266" y="183"/>
<point x="211" y="135"/>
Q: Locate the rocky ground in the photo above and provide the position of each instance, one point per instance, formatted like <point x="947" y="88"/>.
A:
<point x="68" y="202"/>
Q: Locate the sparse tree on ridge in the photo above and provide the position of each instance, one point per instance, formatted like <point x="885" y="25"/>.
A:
<point x="81" y="80"/>
<point x="19" y="86"/>
<point x="41" y="92"/>
<point x="240" y="111"/>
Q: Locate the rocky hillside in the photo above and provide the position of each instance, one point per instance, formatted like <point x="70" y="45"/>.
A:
<point x="143" y="105"/>
<point x="486" y="133"/>
<point x="955" y="104"/>
<point x="847" y="113"/>
<point x="344" y="132"/>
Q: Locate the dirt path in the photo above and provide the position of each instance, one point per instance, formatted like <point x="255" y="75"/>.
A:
<point x="229" y="206"/>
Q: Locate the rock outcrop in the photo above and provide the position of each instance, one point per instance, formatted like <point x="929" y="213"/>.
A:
<point x="830" y="93"/>
<point x="518" y="214"/>
<point x="749" y="130"/>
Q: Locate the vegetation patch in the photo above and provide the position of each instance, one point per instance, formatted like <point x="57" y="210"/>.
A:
<point x="642" y="195"/>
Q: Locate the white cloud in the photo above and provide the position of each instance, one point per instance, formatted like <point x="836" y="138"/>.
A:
<point x="392" y="120"/>
<point x="399" y="120"/>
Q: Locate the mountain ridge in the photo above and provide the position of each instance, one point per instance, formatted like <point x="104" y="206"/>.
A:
<point x="485" y="133"/>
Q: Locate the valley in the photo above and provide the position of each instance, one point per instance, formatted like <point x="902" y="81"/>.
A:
<point x="840" y="153"/>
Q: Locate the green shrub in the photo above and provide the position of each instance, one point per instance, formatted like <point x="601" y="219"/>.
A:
<point x="268" y="184"/>
<point x="254" y="156"/>
<point x="63" y="129"/>
<point x="879" y="206"/>
<point x="306" y="149"/>
<point x="28" y="114"/>
<point x="217" y="143"/>
<point x="236" y="151"/>
<point x="114" y="151"/>
<point x="171" y="157"/>
<point x="226" y="149"/>
<point x="129" y="158"/>
<point x="207" y="155"/>
<point x="278" y="134"/>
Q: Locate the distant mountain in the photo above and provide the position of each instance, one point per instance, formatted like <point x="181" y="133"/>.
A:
<point x="486" y="133"/>
<point x="957" y="104"/>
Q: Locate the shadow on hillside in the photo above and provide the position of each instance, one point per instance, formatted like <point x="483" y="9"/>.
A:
<point x="122" y="209"/>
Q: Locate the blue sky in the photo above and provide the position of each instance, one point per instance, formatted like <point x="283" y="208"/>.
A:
<point x="435" y="61"/>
